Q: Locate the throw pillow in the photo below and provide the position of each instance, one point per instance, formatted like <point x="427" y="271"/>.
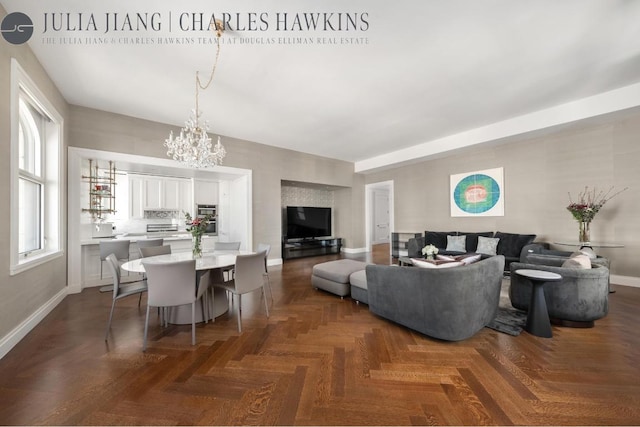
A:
<point x="426" y="264"/>
<point x="445" y="257"/>
<point x="487" y="245"/>
<point x="578" y="261"/>
<point x="466" y="260"/>
<point x="456" y="243"/>
<point x="588" y="252"/>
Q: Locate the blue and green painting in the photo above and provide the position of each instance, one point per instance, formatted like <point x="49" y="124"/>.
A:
<point x="476" y="193"/>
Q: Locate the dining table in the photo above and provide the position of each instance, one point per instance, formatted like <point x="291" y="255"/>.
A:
<point x="217" y="301"/>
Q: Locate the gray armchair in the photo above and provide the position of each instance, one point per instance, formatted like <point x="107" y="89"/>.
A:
<point x="449" y="304"/>
<point x="580" y="298"/>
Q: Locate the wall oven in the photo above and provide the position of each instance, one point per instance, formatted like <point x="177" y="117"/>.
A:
<point x="202" y="211"/>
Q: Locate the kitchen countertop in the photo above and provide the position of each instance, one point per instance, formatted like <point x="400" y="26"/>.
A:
<point x="134" y="237"/>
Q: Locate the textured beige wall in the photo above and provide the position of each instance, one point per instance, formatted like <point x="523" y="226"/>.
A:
<point x="538" y="174"/>
<point x="270" y="165"/>
<point x="22" y="294"/>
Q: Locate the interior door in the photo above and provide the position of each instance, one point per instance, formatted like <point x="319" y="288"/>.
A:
<point x="380" y="217"/>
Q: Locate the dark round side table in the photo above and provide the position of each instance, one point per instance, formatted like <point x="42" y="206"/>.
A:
<point x="538" y="322"/>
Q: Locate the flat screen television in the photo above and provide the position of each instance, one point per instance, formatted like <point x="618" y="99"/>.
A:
<point x="307" y="222"/>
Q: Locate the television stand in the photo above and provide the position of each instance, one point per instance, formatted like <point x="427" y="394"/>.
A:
<point x="297" y="248"/>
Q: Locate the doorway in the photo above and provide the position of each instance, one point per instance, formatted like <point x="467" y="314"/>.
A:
<point x="379" y="215"/>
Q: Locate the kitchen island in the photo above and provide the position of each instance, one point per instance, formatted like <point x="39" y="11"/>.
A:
<point x="90" y="275"/>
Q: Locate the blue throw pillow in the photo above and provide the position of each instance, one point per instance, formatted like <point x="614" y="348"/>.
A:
<point x="487" y="245"/>
<point x="456" y="243"/>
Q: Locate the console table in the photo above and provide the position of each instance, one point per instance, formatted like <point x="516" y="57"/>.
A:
<point x="313" y="247"/>
<point x="590" y="244"/>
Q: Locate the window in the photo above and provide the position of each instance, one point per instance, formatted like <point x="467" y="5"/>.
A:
<point x="36" y="138"/>
<point x="31" y="183"/>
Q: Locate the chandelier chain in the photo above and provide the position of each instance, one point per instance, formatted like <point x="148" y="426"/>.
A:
<point x="218" y="30"/>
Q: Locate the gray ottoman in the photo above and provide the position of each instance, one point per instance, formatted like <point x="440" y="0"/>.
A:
<point x="358" y="282"/>
<point x="333" y="276"/>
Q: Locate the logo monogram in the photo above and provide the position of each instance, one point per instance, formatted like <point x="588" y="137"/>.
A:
<point x="16" y="28"/>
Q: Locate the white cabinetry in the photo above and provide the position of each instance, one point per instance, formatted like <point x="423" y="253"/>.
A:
<point x="149" y="192"/>
<point x="205" y="192"/>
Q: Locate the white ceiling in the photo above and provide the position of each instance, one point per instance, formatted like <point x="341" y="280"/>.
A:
<point x="427" y="70"/>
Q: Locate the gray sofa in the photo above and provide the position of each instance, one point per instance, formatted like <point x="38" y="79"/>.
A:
<point x="580" y="298"/>
<point x="510" y="245"/>
<point x="450" y="304"/>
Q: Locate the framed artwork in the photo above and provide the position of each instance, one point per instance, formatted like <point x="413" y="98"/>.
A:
<point x="479" y="193"/>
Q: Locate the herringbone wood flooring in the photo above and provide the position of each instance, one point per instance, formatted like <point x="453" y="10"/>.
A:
<point x="318" y="360"/>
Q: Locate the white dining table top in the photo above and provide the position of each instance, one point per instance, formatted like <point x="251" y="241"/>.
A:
<point x="208" y="261"/>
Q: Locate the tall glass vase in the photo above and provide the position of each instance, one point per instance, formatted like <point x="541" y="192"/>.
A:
<point x="583" y="236"/>
<point x="197" y="246"/>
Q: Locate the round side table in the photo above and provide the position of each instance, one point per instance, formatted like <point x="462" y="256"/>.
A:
<point x="538" y="322"/>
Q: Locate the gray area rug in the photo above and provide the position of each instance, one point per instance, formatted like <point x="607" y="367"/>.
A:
<point x="508" y="320"/>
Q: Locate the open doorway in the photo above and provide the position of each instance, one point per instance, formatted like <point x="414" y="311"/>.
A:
<point x="379" y="215"/>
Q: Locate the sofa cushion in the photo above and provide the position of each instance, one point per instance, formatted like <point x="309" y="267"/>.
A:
<point x="510" y="244"/>
<point x="472" y="239"/>
<point x="359" y="279"/>
<point x="456" y="243"/>
<point x="487" y="245"/>
<point x="437" y="238"/>
<point x="436" y="264"/>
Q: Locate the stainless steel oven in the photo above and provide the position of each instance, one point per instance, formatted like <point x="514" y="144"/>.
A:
<point x="202" y="211"/>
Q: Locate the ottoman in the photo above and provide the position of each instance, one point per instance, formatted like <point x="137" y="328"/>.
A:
<point x="359" y="290"/>
<point x="333" y="276"/>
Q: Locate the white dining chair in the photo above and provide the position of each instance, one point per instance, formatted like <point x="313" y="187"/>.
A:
<point x="120" y="248"/>
<point x="121" y="290"/>
<point x="155" y="250"/>
<point x="147" y="243"/>
<point x="172" y="284"/>
<point x="266" y="249"/>
<point x="227" y="246"/>
<point x="249" y="277"/>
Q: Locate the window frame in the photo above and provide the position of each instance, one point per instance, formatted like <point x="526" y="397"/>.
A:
<point x="51" y="179"/>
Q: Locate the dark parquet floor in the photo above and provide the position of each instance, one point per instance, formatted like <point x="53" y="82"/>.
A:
<point x="317" y="360"/>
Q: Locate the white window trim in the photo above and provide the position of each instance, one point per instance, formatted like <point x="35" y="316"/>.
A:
<point x="54" y="227"/>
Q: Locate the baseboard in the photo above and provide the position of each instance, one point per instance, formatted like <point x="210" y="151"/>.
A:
<point x="634" y="282"/>
<point x="277" y="261"/>
<point x="354" y="250"/>
<point x="19" y="332"/>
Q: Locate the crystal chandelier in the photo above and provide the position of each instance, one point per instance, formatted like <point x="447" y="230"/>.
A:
<point x="193" y="146"/>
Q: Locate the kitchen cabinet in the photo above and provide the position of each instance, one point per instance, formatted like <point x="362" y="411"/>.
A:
<point x="151" y="192"/>
<point x="205" y="192"/>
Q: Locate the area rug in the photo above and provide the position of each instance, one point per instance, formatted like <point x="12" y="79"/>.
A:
<point x="508" y="320"/>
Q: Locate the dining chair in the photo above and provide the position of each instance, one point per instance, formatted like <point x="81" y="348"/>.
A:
<point x="154" y="250"/>
<point x="249" y="277"/>
<point x="172" y="284"/>
<point x="146" y="243"/>
<point x="266" y="248"/>
<point x="120" y="248"/>
<point x="227" y="246"/>
<point x="121" y="290"/>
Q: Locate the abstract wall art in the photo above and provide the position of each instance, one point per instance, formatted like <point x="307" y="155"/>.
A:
<point x="479" y="193"/>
